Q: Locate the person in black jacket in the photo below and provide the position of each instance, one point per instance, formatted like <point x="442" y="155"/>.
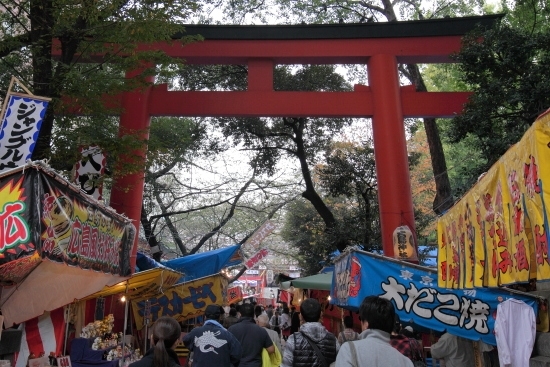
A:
<point x="212" y="345"/>
<point x="165" y="335"/>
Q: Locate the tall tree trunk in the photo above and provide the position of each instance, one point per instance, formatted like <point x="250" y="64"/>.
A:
<point x="310" y="193"/>
<point x="443" y="198"/>
<point x="41" y="39"/>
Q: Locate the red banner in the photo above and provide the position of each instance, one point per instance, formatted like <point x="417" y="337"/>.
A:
<point x="256" y="258"/>
<point x="234" y="294"/>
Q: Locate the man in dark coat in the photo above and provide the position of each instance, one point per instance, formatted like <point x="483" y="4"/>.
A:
<point x="212" y="344"/>
<point x="253" y="338"/>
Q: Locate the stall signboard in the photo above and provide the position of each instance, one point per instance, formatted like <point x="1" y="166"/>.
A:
<point x="182" y="301"/>
<point x="20" y="127"/>
<point x="497" y="234"/>
<point x="234" y="295"/>
<point x="256" y="239"/>
<point x="414" y="292"/>
<point x="258" y="256"/>
<point x="89" y="171"/>
<point x="45" y="217"/>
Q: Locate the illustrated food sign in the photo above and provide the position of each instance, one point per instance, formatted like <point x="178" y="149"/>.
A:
<point x="182" y="301"/>
<point x="497" y="234"/>
<point x="20" y="128"/>
<point x="413" y="290"/>
<point x="42" y="216"/>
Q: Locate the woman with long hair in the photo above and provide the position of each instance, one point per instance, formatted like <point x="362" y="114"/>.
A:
<point x="165" y="335"/>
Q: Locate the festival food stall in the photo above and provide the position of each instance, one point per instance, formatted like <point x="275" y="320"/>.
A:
<point x="417" y="298"/>
<point x="59" y="245"/>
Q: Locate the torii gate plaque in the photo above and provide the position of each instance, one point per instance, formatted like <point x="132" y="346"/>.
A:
<point x="380" y="46"/>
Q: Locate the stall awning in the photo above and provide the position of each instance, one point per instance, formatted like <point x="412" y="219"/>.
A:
<point x="317" y="282"/>
<point x="148" y="283"/>
<point x="206" y="263"/>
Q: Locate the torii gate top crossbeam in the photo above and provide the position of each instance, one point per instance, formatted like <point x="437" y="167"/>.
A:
<point x="426" y="41"/>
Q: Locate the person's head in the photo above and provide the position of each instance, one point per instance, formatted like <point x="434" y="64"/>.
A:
<point x="213" y="312"/>
<point x="293" y="309"/>
<point x="233" y="312"/>
<point x="258" y="311"/>
<point x="377" y="313"/>
<point x="310" y="310"/>
<point x="408" y="331"/>
<point x="286" y="310"/>
<point x="270" y="307"/>
<point x="262" y="320"/>
<point x="348" y="322"/>
<point x="247" y="310"/>
<point x="165" y="333"/>
<point x="277" y="312"/>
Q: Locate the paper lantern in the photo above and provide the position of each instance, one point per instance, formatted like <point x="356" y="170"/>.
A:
<point x="403" y="244"/>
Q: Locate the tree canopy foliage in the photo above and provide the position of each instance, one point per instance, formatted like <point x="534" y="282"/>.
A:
<point x="507" y="69"/>
<point x="81" y="51"/>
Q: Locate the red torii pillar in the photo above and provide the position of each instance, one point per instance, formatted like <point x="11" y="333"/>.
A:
<point x="390" y="150"/>
<point x="127" y="191"/>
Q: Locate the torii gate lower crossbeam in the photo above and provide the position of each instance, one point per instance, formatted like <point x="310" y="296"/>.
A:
<point x="380" y="46"/>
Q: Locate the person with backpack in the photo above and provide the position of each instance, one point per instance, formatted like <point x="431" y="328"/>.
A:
<point x="313" y="345"/>
<point x="348" y="333"/>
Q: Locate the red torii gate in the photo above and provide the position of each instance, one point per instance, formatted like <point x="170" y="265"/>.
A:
<point x="380" y="46"/>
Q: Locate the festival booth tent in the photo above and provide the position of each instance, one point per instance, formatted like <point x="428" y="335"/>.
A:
<point x="59" y="244"/>
<point x="414" y="292"/>
<point x="205" y="263"/>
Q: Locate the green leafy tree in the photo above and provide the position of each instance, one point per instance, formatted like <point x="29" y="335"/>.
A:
<point x="81" y="51"/>
<point x="507" y="69"/>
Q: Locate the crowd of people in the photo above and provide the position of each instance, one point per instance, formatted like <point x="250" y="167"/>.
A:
<point x="254" y="336"/>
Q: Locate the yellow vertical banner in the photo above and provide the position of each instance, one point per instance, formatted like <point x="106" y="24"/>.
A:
<point x="182" y="301"/>
<point x="497" y="234"/>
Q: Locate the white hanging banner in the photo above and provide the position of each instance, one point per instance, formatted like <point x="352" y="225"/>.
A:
<point x="22" y="118"/>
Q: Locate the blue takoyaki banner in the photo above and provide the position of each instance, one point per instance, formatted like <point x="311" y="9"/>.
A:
<point x="44" y="216"/>
<point x="413" y="290"/>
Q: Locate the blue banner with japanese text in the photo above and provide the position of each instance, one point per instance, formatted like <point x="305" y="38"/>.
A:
<point x="413" y="290"/>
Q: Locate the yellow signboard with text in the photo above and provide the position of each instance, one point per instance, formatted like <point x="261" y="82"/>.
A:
<point x="182" y="301"/>
<point x="497" y="234"/>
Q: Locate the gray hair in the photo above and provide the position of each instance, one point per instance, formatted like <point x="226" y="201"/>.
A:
<point x="263" y="320"/>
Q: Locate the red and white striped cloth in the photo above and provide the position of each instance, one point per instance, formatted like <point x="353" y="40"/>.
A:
<point x="42" y="334"/>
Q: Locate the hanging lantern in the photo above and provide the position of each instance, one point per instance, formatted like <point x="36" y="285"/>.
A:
<point x="403" y="244"/>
